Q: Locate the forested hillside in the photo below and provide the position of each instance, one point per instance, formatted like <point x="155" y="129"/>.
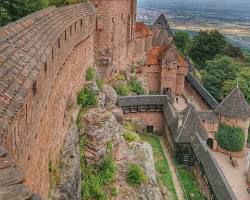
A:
<point x="15" y="9"/>
<point x="218" y="64"/>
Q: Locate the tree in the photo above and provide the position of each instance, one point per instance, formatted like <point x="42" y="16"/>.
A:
<point x="243" y="77"/>
<point x="205" y="46"/>
<point x="217" y="72"/>
<point x="232" y="51"/>
<point x="182" y="41"/>
<point x="230" y="138"/>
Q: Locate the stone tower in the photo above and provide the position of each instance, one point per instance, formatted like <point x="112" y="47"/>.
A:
<point x="115" y="24"/>
<point x="235" y="111"/>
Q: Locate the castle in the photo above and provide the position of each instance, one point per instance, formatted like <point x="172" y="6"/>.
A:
<point x="44" y="58"/>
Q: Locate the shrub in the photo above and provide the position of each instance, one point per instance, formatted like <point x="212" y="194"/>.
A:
<point x="136" y="175"/>
<point x="120" y="77"/>
<point x="86" y="98"/>
<point x="113" y="191"/>
<point x="107" y="170"/>
<point x="122" y="89"/>
<point x="230" y="138"/>
<point x="100" y="83"/>
<point x="90" y="75"/>
<point x="136" y="87"/>
<point x="130" y="136"/>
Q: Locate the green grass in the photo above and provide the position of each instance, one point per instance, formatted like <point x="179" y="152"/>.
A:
<point x="190" y="184"/>
<point x="161" y="164"/>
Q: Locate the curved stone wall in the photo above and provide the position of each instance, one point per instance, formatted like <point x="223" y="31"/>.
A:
<point x="43" y="60"/>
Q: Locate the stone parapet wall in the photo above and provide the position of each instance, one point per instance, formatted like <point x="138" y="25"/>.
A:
<point x="55" y="48"/>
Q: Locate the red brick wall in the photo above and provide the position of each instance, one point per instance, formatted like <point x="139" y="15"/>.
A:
<point x="38" y="131"/>
<point x="114" y="33"/>
<point x="155" y="119"/>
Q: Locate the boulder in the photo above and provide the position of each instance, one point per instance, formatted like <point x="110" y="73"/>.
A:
<point x="93" y="87"/>
<point x="70" y="174"/>
<point x="118" y="113"/>
<point x="110" y="95"/>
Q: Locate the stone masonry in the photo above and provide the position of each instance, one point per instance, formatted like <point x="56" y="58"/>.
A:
<point x="43" y="59"/>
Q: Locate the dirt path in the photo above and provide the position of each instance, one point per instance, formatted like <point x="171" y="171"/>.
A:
<point x="177" y="184"/>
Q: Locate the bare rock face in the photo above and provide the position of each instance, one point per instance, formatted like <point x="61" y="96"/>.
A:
<point x="93" y="87"/>
<point x="118" y="113"/>
<point x="110" y="95"/>
<point x="70" y="175"/>
<point x="135" y="125"/>
<point x="100" y="128"/>
<point x="143" y="155"/>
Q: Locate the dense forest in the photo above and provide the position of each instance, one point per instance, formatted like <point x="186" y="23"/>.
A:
<point x="11" y="10"/>
<point x="218" y="64"/>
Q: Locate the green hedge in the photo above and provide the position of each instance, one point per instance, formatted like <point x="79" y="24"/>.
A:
<point x="230" y="138"/>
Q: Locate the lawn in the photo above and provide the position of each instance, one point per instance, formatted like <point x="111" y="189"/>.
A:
<point x="161" y="164"/>
<point x="190" y="184"/>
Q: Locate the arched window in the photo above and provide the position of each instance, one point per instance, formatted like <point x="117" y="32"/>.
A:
<point x="210" y="143"/>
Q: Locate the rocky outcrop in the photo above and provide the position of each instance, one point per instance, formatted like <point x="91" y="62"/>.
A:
<point x="110" y="95"/>
<point x="101" y="127"/>
<point x="70" y="175"/>
<point x="141" y="154"/>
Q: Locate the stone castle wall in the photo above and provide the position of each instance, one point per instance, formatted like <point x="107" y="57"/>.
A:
<point x="155" y="119"/>
<point x="36" y="134"/>
<point x="114" y="33"/>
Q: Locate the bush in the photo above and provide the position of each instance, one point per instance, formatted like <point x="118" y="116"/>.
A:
<point x="90" y="75"/>
<point x="136" y="175"/>
<point x="107" y="170"/>
<point x="86" y="98"/>
<point x="136" y="87"/>
<point x="122" y="89"/>
<point x="130" y="136"/>
<point x="100" y="84"/>
<point x="113" y="191"/>
<point x="230" y="138"/>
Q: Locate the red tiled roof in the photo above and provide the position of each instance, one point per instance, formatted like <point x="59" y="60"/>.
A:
<point x="181" y="61"/>
<point x="141" y="27"/>
<point x="155" y="54"/>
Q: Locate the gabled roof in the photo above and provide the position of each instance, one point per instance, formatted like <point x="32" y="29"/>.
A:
<point x="155" y="55"/>
<point x="209" y="116"/>
<point x="234" y="105"/>
<point x="191" y="124"/>
<point x="162" y="23"/>
<point x="143" y="29"/>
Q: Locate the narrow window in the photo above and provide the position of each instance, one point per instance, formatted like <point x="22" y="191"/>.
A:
<point x="75" y="26"/>
<point x="45" y="67"/>
<point x="34" y="88"/>
<point x="65" y="35"/>
<point x="122" y="16"/>
<point x="52" y="54"/>
<point x="59" y="43"/>
<point x="81" y="23"/>
<point x="70" y="30"/>
<point x="113" y="20"/>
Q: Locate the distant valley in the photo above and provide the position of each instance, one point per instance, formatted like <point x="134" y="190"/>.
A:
<point x="231" y="18"/>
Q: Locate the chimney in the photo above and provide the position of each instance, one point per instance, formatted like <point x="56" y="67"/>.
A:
<point x="180" y="120"/>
